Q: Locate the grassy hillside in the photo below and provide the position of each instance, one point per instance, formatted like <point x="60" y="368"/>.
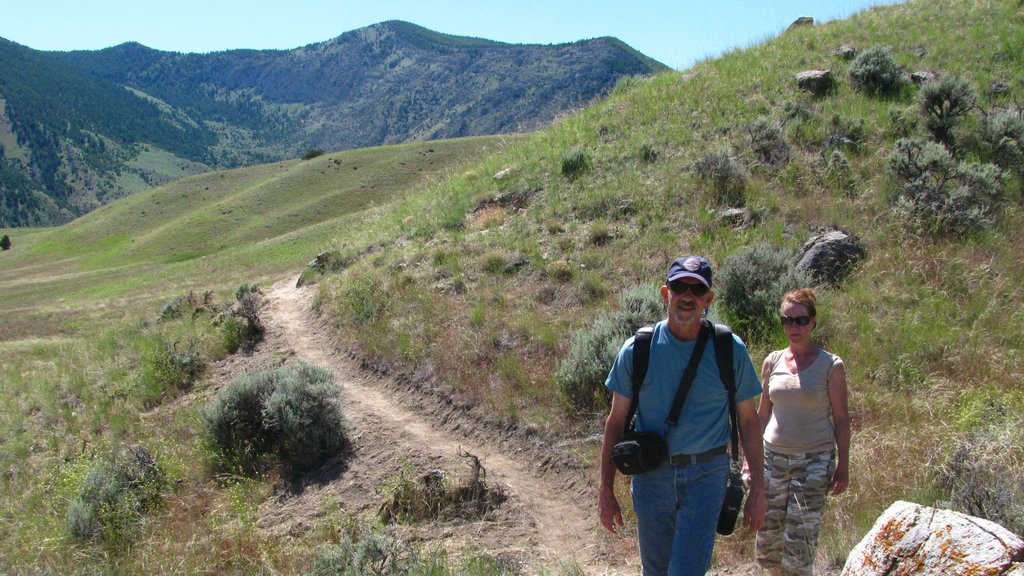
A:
<point x="520" y="271"/>
<point x="930" y="324"/>
<point x="210" y="231"/>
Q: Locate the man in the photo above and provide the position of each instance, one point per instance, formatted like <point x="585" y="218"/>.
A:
<point x="677" y="505"/>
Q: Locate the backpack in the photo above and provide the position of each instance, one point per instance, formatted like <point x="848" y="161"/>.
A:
<point x="723" y="357"/>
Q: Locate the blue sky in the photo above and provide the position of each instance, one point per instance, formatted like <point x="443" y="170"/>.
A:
<point x="675" y="32"/>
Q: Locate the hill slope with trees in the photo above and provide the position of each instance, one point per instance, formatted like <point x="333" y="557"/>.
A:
<point x="80" y="128"/>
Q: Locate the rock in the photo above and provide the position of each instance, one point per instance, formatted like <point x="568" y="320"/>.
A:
<point x="922" y="76"/>
<point x="829" y="256"/>
<point x="738" y="217"/>
<point x="997" y="88"/>
<point x="801" y="21"/>
<point x="846" y="52"/>
<point x="913" y="539"/>
<point x="502" y="173"/>
<point x="817" y="82"/>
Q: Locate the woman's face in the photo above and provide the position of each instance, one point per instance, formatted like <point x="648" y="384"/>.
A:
<point x="797" y="321"/>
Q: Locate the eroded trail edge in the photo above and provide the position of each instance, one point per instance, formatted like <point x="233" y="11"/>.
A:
<point x="404" y="429"/>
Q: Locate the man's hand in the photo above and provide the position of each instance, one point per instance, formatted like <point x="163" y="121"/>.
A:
<point x="608" y="507"/>
<point x="754" y="509"/>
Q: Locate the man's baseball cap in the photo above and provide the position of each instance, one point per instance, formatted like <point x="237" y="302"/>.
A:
<point x="690" y="267"/>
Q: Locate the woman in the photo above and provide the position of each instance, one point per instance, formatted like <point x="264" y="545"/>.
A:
<point x="804" y="416"/>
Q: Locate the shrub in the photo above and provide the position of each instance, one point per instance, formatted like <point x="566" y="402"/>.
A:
<point x="313" y="153"/>
<point x="875" y="71"/>
<point x="165" y="370"/>
<point x="767" y="142"/>
<point x="575" y="163"/>
<point x="560" y="271"/>
<point x="433" y="496"/>
<point x="364" y="299"/>
<point x="304" y="416"/>
<point x="725" y="174"/>
<point x="983" y="475"/>
<point x="234" y="422"/>
<point x="242" y="328"/>
<point x="581" y="374"/>
<point x="114" y="495"/>
<point x="493" y="262"/>
<point x="1002" y="134"/>
<point x="944" y="102"/>
<point x="902" y="122"/>
<point x="5" y="242"/>
<point x="750" y="288"/>
<point x="291" y="411"/>
<point x="937" y="195"/>
<point x="375" y="554"/>
<point x="839" y="172"/>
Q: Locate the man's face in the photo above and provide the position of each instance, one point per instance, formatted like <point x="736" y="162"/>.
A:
<point x="687" y="298"/>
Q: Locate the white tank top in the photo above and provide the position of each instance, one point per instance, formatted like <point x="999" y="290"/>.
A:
<point x="801" y="419"/>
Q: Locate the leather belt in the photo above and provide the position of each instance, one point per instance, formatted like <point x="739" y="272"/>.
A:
<point x="691" y="459"/>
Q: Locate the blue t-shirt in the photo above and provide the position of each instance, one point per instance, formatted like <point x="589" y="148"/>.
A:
<point x="704" y="421"/>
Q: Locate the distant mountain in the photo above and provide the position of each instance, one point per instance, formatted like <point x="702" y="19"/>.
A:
<point x="80" y="128"/>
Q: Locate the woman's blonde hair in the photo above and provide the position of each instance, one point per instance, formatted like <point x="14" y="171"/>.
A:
<point x="804" y="296"/>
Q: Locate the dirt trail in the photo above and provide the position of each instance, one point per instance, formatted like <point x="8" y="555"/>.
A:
<point x="548" y="520"/>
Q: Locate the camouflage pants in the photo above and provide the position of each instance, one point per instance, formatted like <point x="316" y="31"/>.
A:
<point x="796" y="486"/>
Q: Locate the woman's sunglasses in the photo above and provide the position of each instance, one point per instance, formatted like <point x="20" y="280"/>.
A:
<point x="798" y="320"/>
<point x="680" y="288"/>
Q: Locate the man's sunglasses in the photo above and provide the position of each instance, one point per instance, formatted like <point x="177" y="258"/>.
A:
<point x="680" y="288"/>
<point x="798" y="320"/>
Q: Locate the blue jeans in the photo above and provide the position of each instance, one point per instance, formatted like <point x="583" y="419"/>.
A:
<point x="677" y="512"/>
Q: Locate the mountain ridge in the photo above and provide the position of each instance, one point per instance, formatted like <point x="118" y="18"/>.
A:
<point x="386" y="83"/>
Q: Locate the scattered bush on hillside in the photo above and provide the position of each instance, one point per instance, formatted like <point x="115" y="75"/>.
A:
<point x="291" y="411"/>
<point x="164" y="370"/>
<point x="433" y="496"/>
<point x="847" y="134"/>
<point x="902" y="122"/>
<point x="648" y="153"/>
<point x="375" y="554"/>
<point x="5" y="242"/>
<point x="767" y="142"/>
<point x="944" y="102"/>
<point x="241" y="327"/>
<point x="875" y="71"/>
<point x="575" y="162"/>
<point x="983" y="474"/>
<point x="750" y="288"/>
<point x="188" y="305"/>
<point x="304" y="416"/>
<point x="560" y="271"/>
<point x="236" y="433"/>
<point x="939" y="196"/>
<point x="582" y="372"/>
<point x="838" y="172"/>
<point x="114" y="496"/>
<point x="725" y="174"/>
<point x="1002" y="135"/>
<point x="313" y="153"/>
<point x="365" y="299"/>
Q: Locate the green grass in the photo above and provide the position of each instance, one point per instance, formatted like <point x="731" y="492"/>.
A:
<point x="931" y="327"/>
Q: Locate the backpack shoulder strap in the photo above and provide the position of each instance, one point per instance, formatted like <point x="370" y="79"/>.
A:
<point x="641" y="355"/>
<point x="724" y="359"/>
<point x="641" y="358"/>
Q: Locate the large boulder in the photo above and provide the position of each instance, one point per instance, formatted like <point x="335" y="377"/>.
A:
<point x="913" y="539"/>
<point x="817" y="82"/>
<point x="829" y="256"/>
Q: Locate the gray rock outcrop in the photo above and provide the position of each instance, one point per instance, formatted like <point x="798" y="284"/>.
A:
<point x="829" y="256"/>
<point x="817" y="82"/>
<point x="913" y="539"/>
